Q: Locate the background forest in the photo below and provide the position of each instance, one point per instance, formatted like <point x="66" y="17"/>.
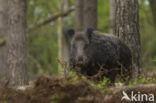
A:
<point x="42" y="42"/>
<point x="38" y="64"/>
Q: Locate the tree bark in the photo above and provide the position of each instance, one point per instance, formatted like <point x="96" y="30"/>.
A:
<point x="112" y="14"/>
<point x="127" y="29"/>
<point x="59" y="32"/>
<point x="3" y="35"/>
<point x="17" y="42"/>
<point x="153" y="9"/>
<point x="90" y="14"/>
<point x="63" y="41"/>
<point x="85" y="14"/>
<point x="79" y="15"/>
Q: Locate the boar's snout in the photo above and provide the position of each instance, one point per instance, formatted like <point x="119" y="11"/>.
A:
<point x="81" y="60"/>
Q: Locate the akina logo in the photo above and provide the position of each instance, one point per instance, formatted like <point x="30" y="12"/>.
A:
<point x="135" y="97"/>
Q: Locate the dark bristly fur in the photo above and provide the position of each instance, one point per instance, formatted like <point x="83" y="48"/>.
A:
<point x="100" y="51"/>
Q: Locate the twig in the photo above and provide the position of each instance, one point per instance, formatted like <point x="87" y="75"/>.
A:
<point x="36" y="62"/>
<point x="49" y="19"/>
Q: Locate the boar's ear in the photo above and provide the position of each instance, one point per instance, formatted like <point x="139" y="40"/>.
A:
<point x="89" y="32"/>
<point x="70" y="32"/>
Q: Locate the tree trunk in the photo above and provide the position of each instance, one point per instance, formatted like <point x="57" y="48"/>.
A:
<point x="17" y="42"/>
<point x="3" y="35"/>
<point x="90" y="14"/>
<point x="112" y="14"/>
<point x="79" y="15"/>
<point x="63" y="41"/>
<point x="127" y="28"/>
<point x="153" y="8"/>
<point x="85" y="14"/>
<point x="60" y="33"/>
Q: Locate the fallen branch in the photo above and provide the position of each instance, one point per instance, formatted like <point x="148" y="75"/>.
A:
<point x="2" y="42"/>
<point x="49" y="19"/>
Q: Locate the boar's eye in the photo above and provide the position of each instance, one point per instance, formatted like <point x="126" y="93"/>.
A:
<point x="86" y="46"/>
<point x="70" y="32"/>
<point x="74" y="46"/>
<point x="89" y="32"/>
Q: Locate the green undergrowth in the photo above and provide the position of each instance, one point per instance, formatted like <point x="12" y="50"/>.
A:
<point x="106" y="82"/>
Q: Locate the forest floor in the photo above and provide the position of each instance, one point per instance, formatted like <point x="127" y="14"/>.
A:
<point x="71" y="90"/>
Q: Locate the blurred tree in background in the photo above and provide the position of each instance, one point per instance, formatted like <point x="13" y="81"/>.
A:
<point x="148" y="37"/>
<point x="42" y="42"/>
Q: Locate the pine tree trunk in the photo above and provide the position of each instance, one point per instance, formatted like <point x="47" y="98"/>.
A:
<point x="90" y="14"/>
<point x="79" y="15"/>
<point x="127" y="28"/>
<point x="3" y="35"/>
<point x="112" y="14"/>
<point x="63" y="42"/>
<point x="85" y="14"/>
<point x="60" y="33"/>
<point x="17" y="42"/>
